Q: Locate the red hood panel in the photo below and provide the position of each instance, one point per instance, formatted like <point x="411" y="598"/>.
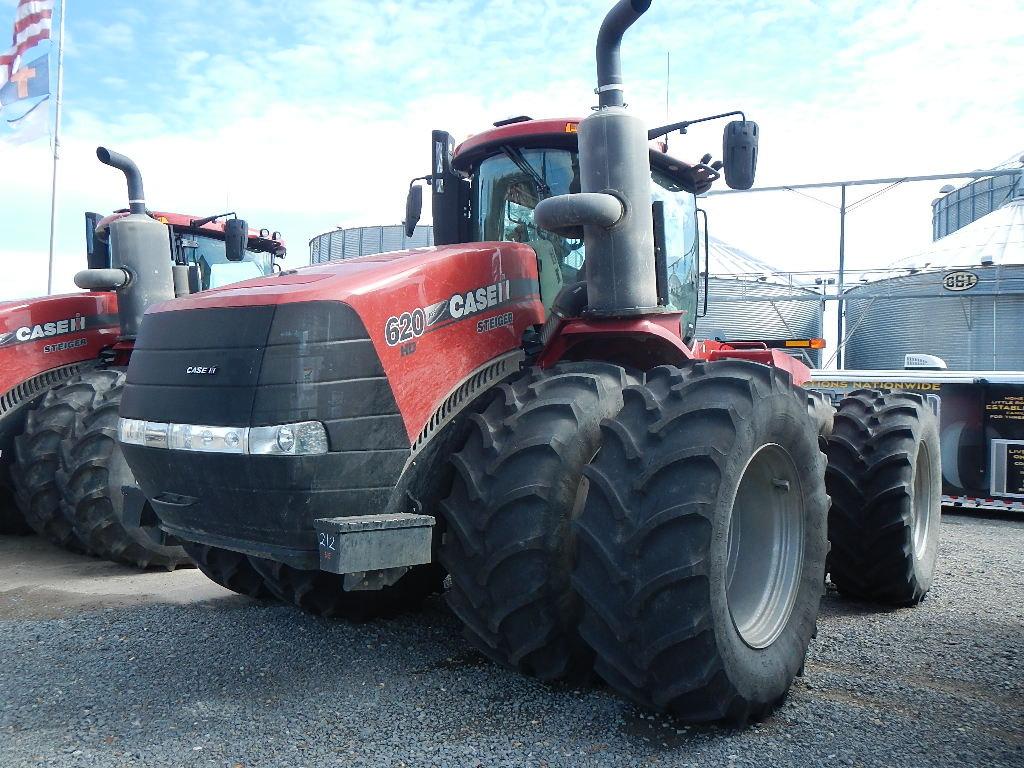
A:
<point x="38" y="335"/>
<point x="422" y="269"/>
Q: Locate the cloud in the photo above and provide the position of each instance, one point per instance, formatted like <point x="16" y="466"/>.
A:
<point x="108" y="36"/>
<point x="306" y="116"/>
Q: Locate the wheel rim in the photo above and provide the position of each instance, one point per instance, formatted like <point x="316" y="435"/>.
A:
<point x="921" y="509"/>
<point x="765" y="546"/>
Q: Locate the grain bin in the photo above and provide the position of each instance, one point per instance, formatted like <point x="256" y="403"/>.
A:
<point x="962" y="299"/>
<point x="750" y="299"/>
<point x="363" y="241"/>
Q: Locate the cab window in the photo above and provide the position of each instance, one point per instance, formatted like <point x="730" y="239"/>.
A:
<point x="508" y="187"/>
<point x="214" y="268"/>
<point x="507" y="191"/>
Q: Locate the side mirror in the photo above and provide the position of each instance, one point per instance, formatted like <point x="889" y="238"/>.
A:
<point x="413" y="209"/>
<point x="97" y="250"/>
<point x="739" y="153"/>
<point x="236" y="236"/>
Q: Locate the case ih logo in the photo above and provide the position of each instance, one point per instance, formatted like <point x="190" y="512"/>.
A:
<point x="410" y="325"/>
<point x="42" y="331"/>
<point x="201" y="370"/>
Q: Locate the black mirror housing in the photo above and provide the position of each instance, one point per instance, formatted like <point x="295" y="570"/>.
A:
<point x="413" y="209"/>
<point x="236" y="237"/>
<point x="739" y="153"/>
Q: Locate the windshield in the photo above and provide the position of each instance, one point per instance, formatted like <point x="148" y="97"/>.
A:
<point x="214" y="268"/>
<point x="506" y="195"/>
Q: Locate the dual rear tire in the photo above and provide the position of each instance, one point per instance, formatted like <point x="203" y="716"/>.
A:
<point x="885" y="479"/>
<point x="68" y="472"/>
<point x="668" y="531"/>
<point x="516" y="490"/>
<point x="702" y="543"/>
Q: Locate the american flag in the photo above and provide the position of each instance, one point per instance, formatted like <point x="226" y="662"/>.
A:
<point x="32" y="24"/>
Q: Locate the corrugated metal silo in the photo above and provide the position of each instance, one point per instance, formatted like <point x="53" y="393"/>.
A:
<point x="365" y="241"/>
<point x="749" y="299"/>
<point x="978" y="198"/>
<point x="962" y="299"/>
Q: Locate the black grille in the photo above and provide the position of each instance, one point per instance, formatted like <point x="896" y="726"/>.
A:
<point x="275" y="365"/>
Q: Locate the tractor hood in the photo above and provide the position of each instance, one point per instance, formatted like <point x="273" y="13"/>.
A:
<point x="379" y="350"/>
<point x="428" y="317"/>
<point x="405" y="276"/>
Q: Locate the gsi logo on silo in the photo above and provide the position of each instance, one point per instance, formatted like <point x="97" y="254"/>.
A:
<point x="959" y="281"/>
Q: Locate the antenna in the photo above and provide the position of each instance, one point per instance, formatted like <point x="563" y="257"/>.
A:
<point x="668" y="84"/>
<point x="668" y="90"/>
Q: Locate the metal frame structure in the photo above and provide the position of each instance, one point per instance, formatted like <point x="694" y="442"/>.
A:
<point x="844" y="208"/>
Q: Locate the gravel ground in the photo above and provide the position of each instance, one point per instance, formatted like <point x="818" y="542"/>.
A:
<point x="224" y="681"/>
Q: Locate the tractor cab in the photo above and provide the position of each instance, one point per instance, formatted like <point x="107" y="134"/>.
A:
<point x="488" y="188"/>
<point x="199" y="245"/>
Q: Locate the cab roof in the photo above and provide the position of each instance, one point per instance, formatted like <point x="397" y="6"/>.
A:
<point x="561" y="133"/>
<point x="213" y="229"/>
<point x="551" y="132"/>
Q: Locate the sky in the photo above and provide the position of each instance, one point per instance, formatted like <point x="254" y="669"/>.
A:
<point x="305" y="116"/>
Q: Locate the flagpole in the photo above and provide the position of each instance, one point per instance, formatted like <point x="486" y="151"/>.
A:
<point x="56" y="147"/>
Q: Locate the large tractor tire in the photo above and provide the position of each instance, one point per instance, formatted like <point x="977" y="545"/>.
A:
<point x="231" y="570"/>
<point x="885" y="479"/>
<point x="37" y="453"/>
<point x="90" y="478"/>
<point x="14" y="405"/>
<point x="322" y="593"/>
<point x="12" y="522"/>
<point x="508" y="544"/>
<point x="702" y="542"/>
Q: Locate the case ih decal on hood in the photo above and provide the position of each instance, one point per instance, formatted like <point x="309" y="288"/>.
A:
<point x="43" y="330"/>
<point x="52" y="331"/>
<point x="409" y="325"/>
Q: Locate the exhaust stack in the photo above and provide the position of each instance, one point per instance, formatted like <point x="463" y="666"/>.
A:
<point x="140" y="254"/>
<point x="609" y="45"/>
<point x="615" y="207"/>
<point x="136" y="195"/>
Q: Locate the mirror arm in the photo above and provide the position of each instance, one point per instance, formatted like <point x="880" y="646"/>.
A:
<point x="657" y="133"/>
<point x="196" y="223"/>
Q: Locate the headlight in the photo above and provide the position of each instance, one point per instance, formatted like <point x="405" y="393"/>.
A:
<point x="131" y="431"/>
<point x="306" y="438"/>
<point x="303" y="439"/>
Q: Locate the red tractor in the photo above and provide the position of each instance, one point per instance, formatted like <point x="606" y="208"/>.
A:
<point x="522" y="408"/>
<point x="62" y="361"/>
